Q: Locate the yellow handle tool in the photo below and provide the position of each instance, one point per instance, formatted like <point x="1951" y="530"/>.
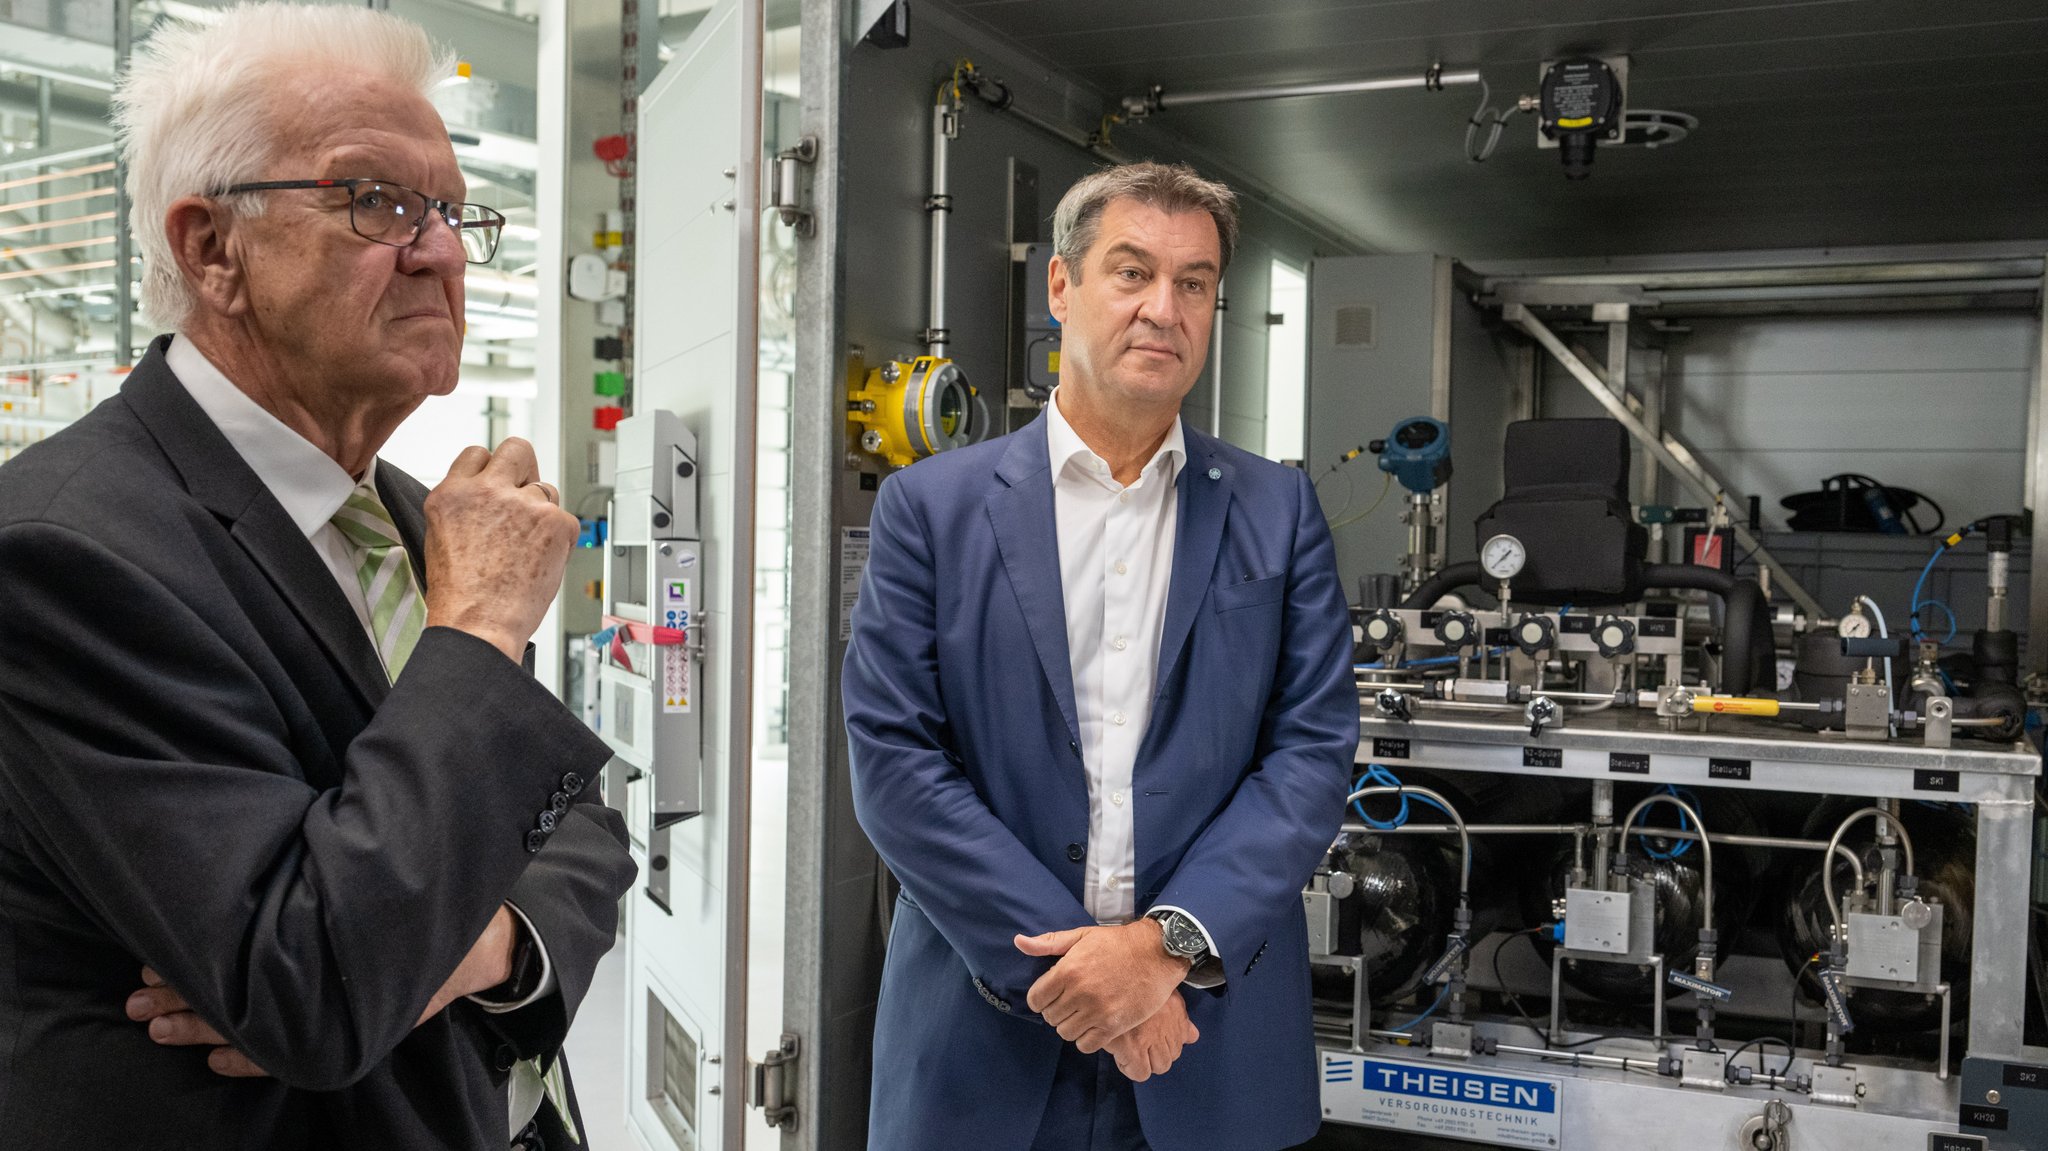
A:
<point x="1734" y="705"/>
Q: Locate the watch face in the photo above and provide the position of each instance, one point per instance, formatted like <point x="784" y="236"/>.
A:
<point x="1182" y="935"/>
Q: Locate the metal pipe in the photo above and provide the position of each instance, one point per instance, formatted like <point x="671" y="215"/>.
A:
<point x="46" y="177"/>
<point x="1160" y="99"/>
<point x="1471" y="828"/>
<point x="1464" y="837"/>
<point x="53" y="269"/>
<point x="1577" y="1058"/>
<point x="50" y="225"/>
<point x="55" y="246"/>
<point x="1706" y="845"/>
<point x="40" y="160"/>
<point x="1875" y="273"/>
<point x="938" y="206"/>
<point x="1827" y="873"/>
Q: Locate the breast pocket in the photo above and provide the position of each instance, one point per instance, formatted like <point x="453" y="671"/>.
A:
<point x="1252" y="593"/>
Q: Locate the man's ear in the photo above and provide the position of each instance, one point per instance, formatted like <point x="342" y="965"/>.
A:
<point x="1056" y="288"/>
<point x="199" y="229"/>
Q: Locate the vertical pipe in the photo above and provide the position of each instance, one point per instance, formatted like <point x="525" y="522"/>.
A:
<point x="938" y="206"/>
<point x="124" y="291"/>
<point x="1216" y="365"/>
<point x="739" y="635"/>
<point x="2036" y="497"/>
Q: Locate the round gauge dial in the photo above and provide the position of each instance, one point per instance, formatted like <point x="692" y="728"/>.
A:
<point x="1503" y="557"/>
<point x="1855" y="625"/>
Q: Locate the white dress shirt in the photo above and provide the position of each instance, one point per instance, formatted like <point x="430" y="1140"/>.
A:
<point x="1116" y="567"/>
<point x="312" y="487"/>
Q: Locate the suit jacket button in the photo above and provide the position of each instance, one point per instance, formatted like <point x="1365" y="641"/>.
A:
<point x="558" y="802"/>
<point x="546" y="823"/>
<point x="504" y="1057"/>
<point x="1076" y="853"/>
<point x="534" y="839"/>
<point x="572" y="783"/>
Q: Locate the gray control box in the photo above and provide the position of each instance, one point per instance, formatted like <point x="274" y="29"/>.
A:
<point x="2005" y="1104"/>
<point x="1597" y="921"/>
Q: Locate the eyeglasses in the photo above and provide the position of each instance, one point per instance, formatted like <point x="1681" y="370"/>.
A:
<point x="393" y="214"/>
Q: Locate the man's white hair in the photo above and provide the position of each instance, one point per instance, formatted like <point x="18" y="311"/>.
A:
<point x="197" y="109"/>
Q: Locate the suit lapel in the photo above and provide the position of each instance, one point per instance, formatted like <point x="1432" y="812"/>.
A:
<point x="1020" y="510"/>
<point x="1204" y="490"/>
<point x="405" y="498"/>
<point x="218" y="478"/>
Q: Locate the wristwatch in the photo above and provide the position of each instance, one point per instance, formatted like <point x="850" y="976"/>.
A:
<point x="1181" y="934"/>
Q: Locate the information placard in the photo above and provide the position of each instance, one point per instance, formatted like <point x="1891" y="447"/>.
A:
<point x="1506" y="1110"/>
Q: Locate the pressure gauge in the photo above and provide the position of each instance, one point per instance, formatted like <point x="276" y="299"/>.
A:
<point x="1855" y="625"/>
<point x="1503" y="557"/>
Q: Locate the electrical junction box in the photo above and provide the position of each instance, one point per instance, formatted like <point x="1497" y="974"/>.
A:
<point x="1598" y="921"/>
<point x="1883" y="947"/>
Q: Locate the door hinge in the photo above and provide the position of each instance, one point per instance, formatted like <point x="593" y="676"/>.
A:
<point x="771" y="1084"/>
<point x="784" y="197"/>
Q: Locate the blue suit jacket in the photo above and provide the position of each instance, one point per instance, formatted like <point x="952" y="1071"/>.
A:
<point x="967" y="775"/>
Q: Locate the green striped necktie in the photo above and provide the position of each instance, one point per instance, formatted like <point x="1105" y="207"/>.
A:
<point x="397" y="613"/>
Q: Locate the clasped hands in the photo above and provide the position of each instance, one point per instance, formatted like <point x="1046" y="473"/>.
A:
<point x="1114" y="989"/>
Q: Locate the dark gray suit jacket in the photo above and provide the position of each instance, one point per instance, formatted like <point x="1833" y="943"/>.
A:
<point x="202" y="767"/>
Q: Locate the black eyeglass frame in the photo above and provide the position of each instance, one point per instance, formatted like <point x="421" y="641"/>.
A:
<point x="492" y="227"/>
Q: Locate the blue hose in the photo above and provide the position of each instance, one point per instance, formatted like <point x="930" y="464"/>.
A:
<point x="1417" y="1021"/>
<point x="1380" y="776"/>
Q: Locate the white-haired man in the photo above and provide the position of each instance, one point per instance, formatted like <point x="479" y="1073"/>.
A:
<point x="291" y="847"/>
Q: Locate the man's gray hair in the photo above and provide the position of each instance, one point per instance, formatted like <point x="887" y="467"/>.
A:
<point x="196" y="110"/>
<point x="1171" y="188"/>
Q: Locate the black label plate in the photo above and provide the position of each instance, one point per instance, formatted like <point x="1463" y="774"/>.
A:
<point x="2023" y="1075"/>
<point x="1984" y="1117"/>
<point x="1542" y="757"/>
<point x="1430" y="618"/>
<point x="1658" y="629"/>
<point x="1727" y="769"/>
<point x="1576" y="625"/>
<point x="1628" y="762"/>
<point x="1943" y="1141"/>
<point x="1389" y="748"/>
<point x="1939" y="779"/>
<point x="1499" y="637"/>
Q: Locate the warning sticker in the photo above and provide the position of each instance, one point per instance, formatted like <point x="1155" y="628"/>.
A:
<point x="853" y="562"/>
<point x="675" y="658"/>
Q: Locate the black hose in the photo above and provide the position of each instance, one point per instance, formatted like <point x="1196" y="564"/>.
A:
<point x="1748" y="647"/>
<point x="1437" y="586"/>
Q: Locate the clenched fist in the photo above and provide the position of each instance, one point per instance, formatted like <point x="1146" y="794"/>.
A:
<point x="496" y="546"/>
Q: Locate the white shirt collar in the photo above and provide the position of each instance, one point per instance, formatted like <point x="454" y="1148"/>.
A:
<point x="1065" y="446"/>
<point x="306" y="480"/>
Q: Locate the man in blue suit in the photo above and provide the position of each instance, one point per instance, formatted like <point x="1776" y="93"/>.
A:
<point x="1102" y="720"/>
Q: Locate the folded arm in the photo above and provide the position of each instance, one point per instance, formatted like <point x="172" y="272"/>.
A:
<point x="143" y="748"/>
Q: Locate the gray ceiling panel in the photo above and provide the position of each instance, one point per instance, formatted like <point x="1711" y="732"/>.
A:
<point x="1822" y="121"/>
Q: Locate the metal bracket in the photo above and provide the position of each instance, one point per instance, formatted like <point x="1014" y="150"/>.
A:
<point x="771" y="1084"/>
<point x="785" y="200"/>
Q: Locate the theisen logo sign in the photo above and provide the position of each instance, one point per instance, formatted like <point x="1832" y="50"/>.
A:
<point x="1505" y="1110"/>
